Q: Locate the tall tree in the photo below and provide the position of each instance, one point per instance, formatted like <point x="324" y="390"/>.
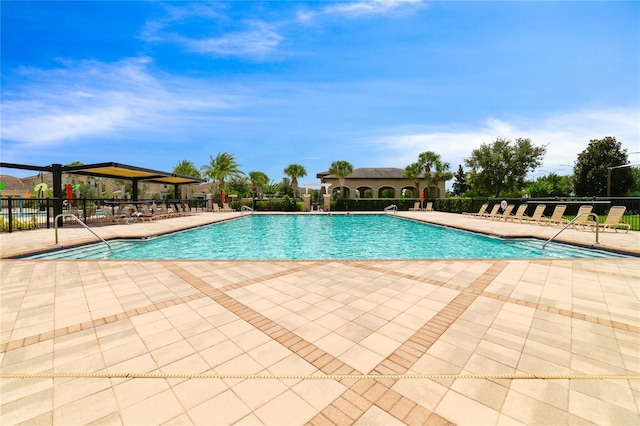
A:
<point x="551" y="185"/>
<point x="427" y="160"/>
<point x="258" y="181"/>
<point x="186" y="168"/>
<point x="441" y="172"/>
<point x="501" y="167"/>
<point x="295" y="171"/>
<point x="342" y="169"/>
<point x="591" y="169"/>
<point x="220" y="168"/>
<point x="239" y="185"/>
<point x="413" y="172"/>
<point x="459" y="186"/>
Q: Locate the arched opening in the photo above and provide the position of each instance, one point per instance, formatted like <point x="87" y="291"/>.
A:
<point x="387" y="192"/>
<point x="364" y="192"/>
<point x="409" y="192"/>
<point x="337" y="192"/>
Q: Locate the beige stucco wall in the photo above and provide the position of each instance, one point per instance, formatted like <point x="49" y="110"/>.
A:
<point x="376" y="184"/>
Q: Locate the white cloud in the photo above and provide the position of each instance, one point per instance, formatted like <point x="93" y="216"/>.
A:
<point x="256" y="42"/>
<point x="565" y="134"/>
<point x="361" y="8"/>
<point x="94" y="98"/>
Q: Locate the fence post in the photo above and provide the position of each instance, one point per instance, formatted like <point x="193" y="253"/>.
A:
<point x="9" y="214"/>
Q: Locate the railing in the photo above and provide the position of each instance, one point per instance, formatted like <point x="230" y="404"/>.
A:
<point x="81" y="223"/>
<point x="245" y="209"/>
<point x="571" y="223"/>
<point x="392" y="208"/>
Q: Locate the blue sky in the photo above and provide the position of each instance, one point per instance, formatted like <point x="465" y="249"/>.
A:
<point x="279" y="82"/>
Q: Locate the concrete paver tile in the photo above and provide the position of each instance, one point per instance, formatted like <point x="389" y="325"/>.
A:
<point x="155" y="409"/>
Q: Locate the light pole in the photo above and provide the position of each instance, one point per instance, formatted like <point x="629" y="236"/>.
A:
<point x="609" y="174"/>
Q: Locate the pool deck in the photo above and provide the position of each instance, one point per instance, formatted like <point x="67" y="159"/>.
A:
<point x="488" y="341"/>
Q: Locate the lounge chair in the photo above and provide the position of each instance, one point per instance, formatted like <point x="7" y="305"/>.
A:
<point x="482" y="211"/>
<point x="537" y="214"/>
<point x="416" y="207"/>
<point x="493" y="213"/>
<point x="147" y="216"/>
<point x="505" y="214"/>
<point x="556" y="216"/>
<point x="614" y="219"/>
<point x="119" y="217"/>
<point x="429" y="207"/>
<point x="226" y="208"/>
<point x="216" y="208"/>
<point x="519" y="214"/>
<point x="187" y="208"/>
<point x="177" y="208"/>
<point x="582" y="218"/>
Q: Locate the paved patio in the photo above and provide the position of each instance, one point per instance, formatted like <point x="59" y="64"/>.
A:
<point x="319" y="342"/>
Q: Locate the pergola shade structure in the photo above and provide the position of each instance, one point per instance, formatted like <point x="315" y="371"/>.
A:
<point x="109" y="170"/>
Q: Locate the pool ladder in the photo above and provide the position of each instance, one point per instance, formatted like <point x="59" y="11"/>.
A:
<point x="77" y="219"/>
<point x="245" y="209"/>
<point x="570" y="223"/>
<point x="392" y="208"/>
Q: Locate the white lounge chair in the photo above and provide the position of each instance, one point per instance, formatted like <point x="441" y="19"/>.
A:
<point x="614" y="219"/>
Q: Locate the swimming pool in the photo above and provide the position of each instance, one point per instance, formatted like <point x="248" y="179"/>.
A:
<point x="323" y="237"/>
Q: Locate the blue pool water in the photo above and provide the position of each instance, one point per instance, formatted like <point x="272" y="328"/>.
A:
<point x="309" y="237"/>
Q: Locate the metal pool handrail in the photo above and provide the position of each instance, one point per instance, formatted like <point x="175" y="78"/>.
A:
<point x="80" y="222"/>
<point x="245" y="208"/>
<point x="570" y="223"/>
<point x="392" y="207"/>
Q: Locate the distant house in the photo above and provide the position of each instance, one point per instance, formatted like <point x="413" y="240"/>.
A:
<point x="13" y="187"/>
<point x="379" y="182"/>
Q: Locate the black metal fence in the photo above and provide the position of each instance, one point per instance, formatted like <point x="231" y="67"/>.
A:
<point x="19" y="214"/>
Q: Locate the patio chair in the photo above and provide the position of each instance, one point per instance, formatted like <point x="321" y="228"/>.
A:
<point x="614" y="219"/>
<point x="482" y="211"/>
<point x="416" y="207"/>
<point x="556" y="217"/>
<point x="505" y="214"/>
<point x="519" y="214"/>
<point x="493" y="213"/>
<point x="429" y="207"/>
<point x="119" y="217"/>
<point x="147" y="216"/>
<point x="537" y="213"/>
<point x="226" y="208"/>
<point x="582" y="218"/>
<point x="187" y="208"/>
<point x="216" y="208"/>
<point x="177" y="207"/>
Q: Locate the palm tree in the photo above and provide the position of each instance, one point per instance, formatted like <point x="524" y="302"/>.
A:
<point x="442" y="172"/>
<point x="427" y="160"/>
<point x="341" y="169"/>
<point x="295" y="171"/>
<point x="413" y="172"/>
<point x="186" y="168"/>
<point x="221" y="167"/>
<point x="258" y="181"/>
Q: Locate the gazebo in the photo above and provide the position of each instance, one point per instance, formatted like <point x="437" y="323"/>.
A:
<point x="109" y="170"/>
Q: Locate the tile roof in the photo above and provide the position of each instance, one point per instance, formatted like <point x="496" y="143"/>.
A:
<point x="12" y="183"/>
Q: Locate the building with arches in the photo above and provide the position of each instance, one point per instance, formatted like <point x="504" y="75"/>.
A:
<point x="380" y="182"/>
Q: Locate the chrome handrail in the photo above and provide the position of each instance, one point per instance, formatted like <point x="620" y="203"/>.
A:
<point x="245" y="208"/>
<point x="81" y="223"/>
<point x="391" y="207"/>
<point x="571" y="222"/>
